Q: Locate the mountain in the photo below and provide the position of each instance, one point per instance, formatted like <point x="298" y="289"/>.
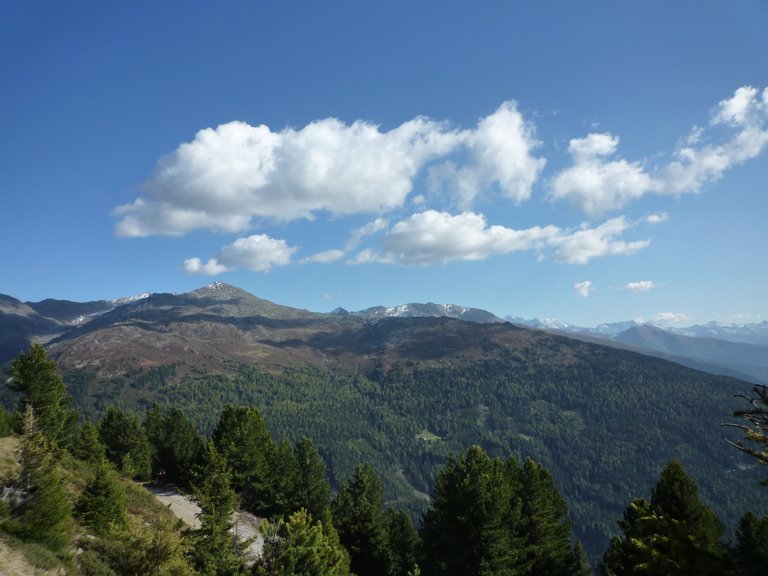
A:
<point x="756" y="333"/>
<point x="428" y="310"/>
<point x="739" y="350"/>
<point x="404" y="392"/>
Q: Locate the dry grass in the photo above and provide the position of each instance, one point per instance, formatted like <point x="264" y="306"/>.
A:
<point x="9" y="456"/>
<point x="14" y="563"/>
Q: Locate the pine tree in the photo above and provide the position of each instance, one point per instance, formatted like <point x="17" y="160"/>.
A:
<point x="126" y="443"/>
<point x="750" y="553"/>
<point x="87" y="446"/>
<point x="37" y="379"/>
<point x="279" y="493"/>
<point x="241" y="436"/>
<point x="177" y="447"/>
<point x="215" y="551"/>
<point x="473" y="523"/>
<point x="299" y="547"/>
<point x="403" y="541"/>
<point x="101" y="506"/>
<point x="45" y="513"/>
<point x="312" y="491"/>
<point x="545" y="525"/>
<point x="673" y="534"/>
<point x="358" y="514"/>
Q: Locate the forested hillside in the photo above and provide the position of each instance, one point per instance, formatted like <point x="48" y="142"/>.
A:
<point x="68" y="505"/>
<point x="604" y="422"/>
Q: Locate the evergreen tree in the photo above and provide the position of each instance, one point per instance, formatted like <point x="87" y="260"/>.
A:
<point x="472" y="526"/>
<point x="750" y="553"/>
<point x="241" y="436"/>
<point x="87" y="446"/>
<point x="312" y="491"/>
<point x="178" y="448"/>
<point x="674" y="534"/>
<point x="403" y="541"/>
<point x="37" y="379"/>
<point x="279" y="493"/>
<point x="545" y="525"/>
<point x="101" y="506"/>
<point x="215" y="551"/>
<point x="300" y="547"/>
<point x="45" y="513"/>
<point x="126" y="443"/>
<point x="579" y="563"/>
<point x="358" y="514"/>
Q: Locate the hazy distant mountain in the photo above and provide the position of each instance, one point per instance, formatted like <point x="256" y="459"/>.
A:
<point x="756" y="333"/>
<point x="424" y="311"/>
<point x="739" y="350"/>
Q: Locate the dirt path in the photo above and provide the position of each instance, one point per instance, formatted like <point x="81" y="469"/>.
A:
<point x="246" y="525"/>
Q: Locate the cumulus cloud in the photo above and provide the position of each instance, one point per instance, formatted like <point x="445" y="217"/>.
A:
<point x="583" y="245"/>
<point x="598" y="183"/>
<point x="584" y="289"/>
<point x="228" y="175"/>
<point x="501" y="152"/>
<point x="325" y="257"/>
<point x="433" y="237"/>
<point x="357" y="235"/>
<point x="657" y="218"/>
<point x="640" y="286"/>
<point x="258" y="253"/>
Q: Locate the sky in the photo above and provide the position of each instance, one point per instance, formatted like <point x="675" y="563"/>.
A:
<point x="594" y="161"/>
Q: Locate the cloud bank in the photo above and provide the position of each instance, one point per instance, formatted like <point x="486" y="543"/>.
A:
<point x="229" y="175"/>
<point x="236" y="176"/>
<point x="598" y="183"/>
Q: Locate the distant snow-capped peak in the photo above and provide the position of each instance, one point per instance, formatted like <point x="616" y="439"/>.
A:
<point x="129" y="299"/>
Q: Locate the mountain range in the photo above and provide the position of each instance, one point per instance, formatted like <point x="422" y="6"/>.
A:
<point x="738" y="350"/>
<point x="405" y="387"/>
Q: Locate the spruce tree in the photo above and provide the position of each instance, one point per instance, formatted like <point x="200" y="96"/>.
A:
<point x="37" y="379"/>
<point x="241" y="436"/>
<point x="358" y="514"/>
<point x="299" y="547"/>
<point x="177" y="447"/>
<point x="101" y="506"/>
<point x="750" y="552"/>
<point x="403" y="541"/>
<point x="45" y="514"/>
<point x="673" y="534"/>
<point x="473" y="524"/>
<point x="312" y="491"/>
<point x="87" y="446"/>
<point x="545" y="525"/>
<point x="215" y="552"/>
<point x="126" y="443"/>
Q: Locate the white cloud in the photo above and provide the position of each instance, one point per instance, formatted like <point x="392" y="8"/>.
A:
<point x="597" y="184"/>
<point x="640" y="286"/>
<point x="584" y="289"/>
<point x="258" y="253"/>
<point x="669" y="318"/>
<point x="500" y="149"/>
<point x="325" y="257"/>
<point x="357" y="235"/>
<point x="581" y="246"/>
<point x="432" y="237"/>
<point x="210" y="268"/>
<point x="228" y="175"/>
<point x="657" y="218"/>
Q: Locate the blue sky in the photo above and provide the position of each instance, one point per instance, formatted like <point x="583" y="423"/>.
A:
<point x="594" y="161"/>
